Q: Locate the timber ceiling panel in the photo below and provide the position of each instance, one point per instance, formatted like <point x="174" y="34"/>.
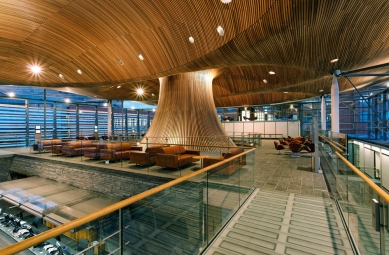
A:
<point x="294" y="38"/>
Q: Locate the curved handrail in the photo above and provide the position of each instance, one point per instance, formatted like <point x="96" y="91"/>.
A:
<point x="25" y="244"/>
<point x="366" y="179"/>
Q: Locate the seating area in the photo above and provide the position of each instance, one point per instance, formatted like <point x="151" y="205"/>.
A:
<point x="117" y="151"/>
<point x="296" y="145"/>
<point x="148" y="157"/>
<point x="175" y="156"/>
<point x="46" y="145"/>
<point x="229" y="167"/>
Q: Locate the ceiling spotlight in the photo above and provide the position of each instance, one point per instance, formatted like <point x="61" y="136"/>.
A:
<point x="226" y="1"/>
<point x="271" y="72"/>
<point x="79" y="71"/>
<point x="220" y="30"/>
<point x="152" y="94"/>
<point x="321" y="90"/>
<point x="286" y="92"/>
<point x="11" y="94"/>
<point x="140" y="57"/>
<point x="61" y="76"/>
<point x="264" y="80"/>
<point x="191" y="39"/>
<point x="334" y="60"/>
<point x="36" y="69"/>
<point x="119" y="87"/>
<point x="139" y="91"/>
<point x="67" y="100"/>
<point x="121" y="62"/>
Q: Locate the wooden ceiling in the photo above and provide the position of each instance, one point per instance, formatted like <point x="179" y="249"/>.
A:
<point x="295" y="39"/>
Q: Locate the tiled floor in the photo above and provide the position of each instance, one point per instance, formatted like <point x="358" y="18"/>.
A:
<point x="286" y="173"/>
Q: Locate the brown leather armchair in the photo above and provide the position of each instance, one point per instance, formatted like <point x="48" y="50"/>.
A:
<point x="279" y="147"/>
<point x="117" y="151"/>
<point x="148" y="157"/>
<point x="229" y="167"/>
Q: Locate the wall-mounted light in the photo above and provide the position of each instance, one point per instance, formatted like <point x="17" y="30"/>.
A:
<point x="67" y="100"/>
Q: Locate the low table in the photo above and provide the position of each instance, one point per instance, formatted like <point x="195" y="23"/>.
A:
<point x="201" y="159"/>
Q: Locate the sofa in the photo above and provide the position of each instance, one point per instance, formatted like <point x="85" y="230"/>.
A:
<point x="94" y="152"/>
<point x="117" y="151"/>
<point x="148" y="157"/>
<point x="46" y="145"/>
<point x="76" y="148"/>
<point x="229" y="167"/>
<point x="175" y="156"/>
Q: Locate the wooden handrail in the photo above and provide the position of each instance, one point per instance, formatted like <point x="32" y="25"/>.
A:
<point x="25" y="244"/>
<point x="366" y="179"/>
<point x="331" y="143"/>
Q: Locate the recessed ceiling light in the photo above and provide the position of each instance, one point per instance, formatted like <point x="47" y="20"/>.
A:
<point x="271" y="72"/>
<point x="220" y="30"/>
<point x="121" y="62"/>
<point x="139" y="91"/>
<point x="36" y="69"/>
<point x="226" y="1"/>
<point x="119" y="87"/>
<point x="321" y="90"/>
<point x="286" y="92"/>
<point x="11" y="94"/>
<point x="152" y="94"/>
<point x="191" y="39"/>
<point x="334" y="60"/>
<point x="67" y="100"/>
<point x="79" y="71"/>
<point x="140" y="57"/>
<point x="264" y="80"/>
<point x="61" y="76"/>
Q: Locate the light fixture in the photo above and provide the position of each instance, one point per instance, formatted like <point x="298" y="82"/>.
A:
<point x="140" y="57"/>
<point x="121" y="62"/>
<point x="139" y="91"/>
<point x="61" y="76"/>
<point x="264" y="80"/>
<point x="119" y="87"/>
<point x="271" y="72"/>
<point x="153" y="109"/>
<point x="79" y="71"/>
<point x="387" y="84"/>
<point x="11" y="94"/>
<point x="152" y="94"/>
<point x="36" y="69"/>
<point x="334" y="60"/>
<point x="220" y="30"/>
<point x="191" y="39"/>
<point x="105" y="104"/>
<point x="67" y="100"/>
<point x="226" y="1"/>
<point x="286" y="92"/>
<point x="132" y="107"/>
<point x="321" y="90"/>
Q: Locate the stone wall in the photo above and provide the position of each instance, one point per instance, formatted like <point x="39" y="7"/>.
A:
<point x="5" y="165"/>
<point x="111" y="182"/>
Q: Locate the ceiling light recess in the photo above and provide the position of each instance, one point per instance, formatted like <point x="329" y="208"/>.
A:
<point x="272" y="72"/>
<point x="220" y="30"/>
<point x="36" y="69"/>
<point x="264" y="80"/>
<point x="334" y="60"/>
<point x="79" y="71"/>
<point x="139" y="91"/>
<point x="61" y="76"/>
<point x="140" y="57"/>
<point x="226" y="1"/>
<point x="191" y="39"/>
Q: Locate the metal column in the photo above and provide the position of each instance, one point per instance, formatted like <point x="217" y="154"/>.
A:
<point x="335" y="102"/>
<point x="44" y="114"/>
<point x="109" y="115"/>
<point x="323" y="113"/>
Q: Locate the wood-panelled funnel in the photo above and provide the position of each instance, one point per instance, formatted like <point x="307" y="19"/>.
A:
<point x="186" y="112"/>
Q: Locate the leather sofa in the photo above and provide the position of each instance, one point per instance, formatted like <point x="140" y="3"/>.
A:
<point x="94" y="152"/>
<point x="229" y="167"/>
<point x="148" y="157"/>
<point x="76" y="148"/>
<point x="117" y="151"/>
<point x="175" y="156"/>
<point x="46" y="145"/>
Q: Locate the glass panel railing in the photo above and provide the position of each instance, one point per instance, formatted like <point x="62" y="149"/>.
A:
<point x="358" y="190"/>
<point x="178" y="217"/>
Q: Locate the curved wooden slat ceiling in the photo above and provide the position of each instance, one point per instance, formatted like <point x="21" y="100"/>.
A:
<point x="295" y="39"/>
